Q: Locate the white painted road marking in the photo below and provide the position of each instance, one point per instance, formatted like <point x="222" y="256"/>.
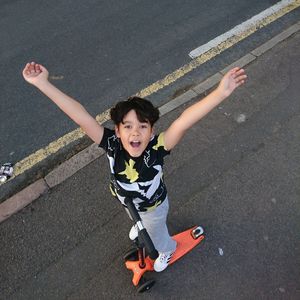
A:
<point x="239" y="29"/>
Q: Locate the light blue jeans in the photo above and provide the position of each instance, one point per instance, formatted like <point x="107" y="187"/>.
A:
<point x="155" y="223"/>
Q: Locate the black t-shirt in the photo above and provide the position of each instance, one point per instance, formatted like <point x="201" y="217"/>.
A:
<point x="140" y="178"/>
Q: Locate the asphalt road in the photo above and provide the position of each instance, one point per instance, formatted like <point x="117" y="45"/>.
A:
<point x="99" y="52"/>
<point x="240" y="180"/>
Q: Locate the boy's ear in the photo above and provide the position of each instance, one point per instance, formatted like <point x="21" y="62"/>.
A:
<point x="152" y="131"/>
<point x="117" y="131"/>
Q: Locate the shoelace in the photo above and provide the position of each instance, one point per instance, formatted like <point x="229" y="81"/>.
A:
<point x="165" y="257"/>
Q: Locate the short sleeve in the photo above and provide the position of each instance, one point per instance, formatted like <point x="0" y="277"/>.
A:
<point x="159" y="145"/>
<point x="107" y="139"/>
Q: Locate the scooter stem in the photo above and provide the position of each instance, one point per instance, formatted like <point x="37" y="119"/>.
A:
<point x="143" y="234"/>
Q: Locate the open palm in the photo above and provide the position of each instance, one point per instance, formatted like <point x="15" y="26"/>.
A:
<point x="231" y="80"/>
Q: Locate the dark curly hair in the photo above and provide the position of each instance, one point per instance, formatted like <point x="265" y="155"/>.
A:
<point x="144" y="109"/>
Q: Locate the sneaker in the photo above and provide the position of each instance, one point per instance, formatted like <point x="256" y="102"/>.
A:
<point x="162" y="261"/>
<point x="133" y="233"/>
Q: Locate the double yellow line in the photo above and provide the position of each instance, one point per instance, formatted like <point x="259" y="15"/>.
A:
<point x="55" y="146"/>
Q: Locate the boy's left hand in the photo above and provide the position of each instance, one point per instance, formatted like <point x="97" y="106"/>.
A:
<point x="231" y="80"/>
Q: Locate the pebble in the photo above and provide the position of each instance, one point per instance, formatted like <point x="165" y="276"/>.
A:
<point x="281" y="290"/>
<point x="241" y="118"/>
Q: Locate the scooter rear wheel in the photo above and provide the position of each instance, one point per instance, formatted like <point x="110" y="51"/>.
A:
<point x="131" y="255"/>
<point x="145" y="285"/>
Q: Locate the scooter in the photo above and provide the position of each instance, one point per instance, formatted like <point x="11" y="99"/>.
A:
<point x="140" y="259"/>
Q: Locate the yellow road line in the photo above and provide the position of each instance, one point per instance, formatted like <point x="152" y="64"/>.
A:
<point x="55" y="146"/>
<point x="215" y="51"/>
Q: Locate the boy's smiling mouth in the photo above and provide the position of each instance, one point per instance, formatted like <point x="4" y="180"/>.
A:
<point x="135" y="144"/>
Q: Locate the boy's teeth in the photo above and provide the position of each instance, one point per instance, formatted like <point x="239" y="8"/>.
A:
<point x="135" y="144"/>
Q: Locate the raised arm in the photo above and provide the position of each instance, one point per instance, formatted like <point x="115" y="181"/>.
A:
<point x="233" y="79"/>
<point x="37" y="75"/>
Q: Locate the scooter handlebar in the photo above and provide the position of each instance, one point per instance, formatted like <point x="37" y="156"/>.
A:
<point x="132" y="210"/>
<point x="153" y="254"/>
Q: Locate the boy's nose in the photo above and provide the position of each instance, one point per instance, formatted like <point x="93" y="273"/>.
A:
<point x="136" y="132"/>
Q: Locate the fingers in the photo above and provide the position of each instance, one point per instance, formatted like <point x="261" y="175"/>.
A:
<point x="240" y="72"/>
<point x="25" y="70"/>
<point x="240" y="82"/>
<point x="239" y="75"/>
<point x="241" y="79"/>
<point x="42" y="68"/>
<point x="236" y="71"/>
<point x="32" y="69"/>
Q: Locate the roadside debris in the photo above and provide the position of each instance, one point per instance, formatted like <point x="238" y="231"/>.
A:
<point x="281" y="290"/>
<point x="221" y="252"/>
<point x="6" y="171"/>
<point x="241" y="118"/>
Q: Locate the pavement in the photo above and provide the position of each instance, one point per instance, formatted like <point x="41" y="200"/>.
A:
<point x="236" y="173"/>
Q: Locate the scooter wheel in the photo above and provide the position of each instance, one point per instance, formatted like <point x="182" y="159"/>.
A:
<point x="131" y="255"/>
<point x="145" y="286"/>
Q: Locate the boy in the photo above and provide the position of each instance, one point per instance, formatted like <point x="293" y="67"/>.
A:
<point x="135" y="154"/>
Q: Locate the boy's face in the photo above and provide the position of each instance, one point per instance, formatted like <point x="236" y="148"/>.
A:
<point x="134" y="135"/>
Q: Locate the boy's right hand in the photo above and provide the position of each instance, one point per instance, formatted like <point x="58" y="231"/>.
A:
<point x="35" y="73"/>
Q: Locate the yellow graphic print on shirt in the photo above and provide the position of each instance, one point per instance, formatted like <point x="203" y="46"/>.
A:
<point x="160" y="142"/>
<point x="130" y="172"/>
<point x="151" y="208"/>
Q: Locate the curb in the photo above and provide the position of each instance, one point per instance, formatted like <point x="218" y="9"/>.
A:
<point x="68" y="168"/>
<point x="22" y="199"/>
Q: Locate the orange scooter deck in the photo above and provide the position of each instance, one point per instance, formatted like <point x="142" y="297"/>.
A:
<point x="186" y="241"/>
